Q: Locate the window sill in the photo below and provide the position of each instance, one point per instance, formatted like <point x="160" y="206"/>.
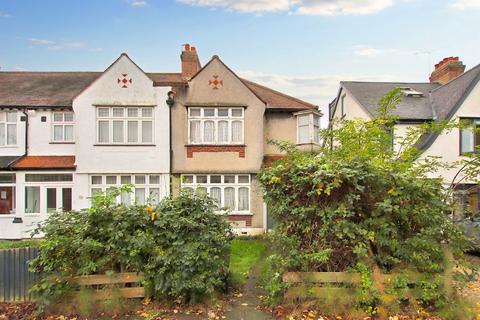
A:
<point x="62" y="142"/>
<point x="124" y="145"/>
<point x="308" y="143"/>
<point x="9" y="146"/>
<point x="215" y="145"/>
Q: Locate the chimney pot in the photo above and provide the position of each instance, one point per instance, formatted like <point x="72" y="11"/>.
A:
<point x="447" y="69"/>
<point x="190" y="62"/>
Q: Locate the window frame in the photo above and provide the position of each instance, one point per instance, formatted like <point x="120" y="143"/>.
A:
<point x="63" y="124"/>
<point x="125" y="119"/>
<point x="476" y="143"/>
<point x="311" y="127"/>
<point x="236" y="185"/>
<point x="147" y="185"/>
<point x="6" y="123"/>
<point x="216" y="119"/>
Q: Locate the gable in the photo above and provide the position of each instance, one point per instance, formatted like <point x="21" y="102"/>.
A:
<point x="123" y="83"/>
<point x="215" y="83"/>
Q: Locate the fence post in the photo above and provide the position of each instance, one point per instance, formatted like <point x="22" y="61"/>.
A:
<point x="448" y="273"/>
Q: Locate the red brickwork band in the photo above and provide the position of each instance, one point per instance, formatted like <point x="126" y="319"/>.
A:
<point x="192" y="149"/>
<point x="239" y="217"/>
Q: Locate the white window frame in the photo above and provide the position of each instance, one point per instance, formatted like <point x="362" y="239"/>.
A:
<point x="43" y="186"/>
<point x="216" y="118"/>
<point x="63" y="124"/>
<point x="4" y="121"/>
<point x="222" y="185"/>
<point x="148" y="186"/>
<point x="125" y="119"/>
<point x="313" y="129"/>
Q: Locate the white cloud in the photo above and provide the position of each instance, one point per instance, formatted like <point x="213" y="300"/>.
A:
<point x="138" y="3"/>
<point x="53" y="45"/>
<point x="368" y="51"/>
<point x="465" y="4"/>
<point x="4" y="14"/>
<point x="244" y="5"/>
<point x="305" y="7"/>
<point x="319" y="90"/>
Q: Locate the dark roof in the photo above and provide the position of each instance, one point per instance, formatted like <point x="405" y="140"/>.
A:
<point x="368" y="95"/>
<point x="438" y="103"/>
<point x="42" y="89"/>
<point x="448" y="98"/>
<point x="58" y="89"/>
<point x="276" y="100"/>
<point x="5" y="161"/>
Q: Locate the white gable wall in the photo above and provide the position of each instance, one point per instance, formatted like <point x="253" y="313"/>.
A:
<point x="447" y="144"/>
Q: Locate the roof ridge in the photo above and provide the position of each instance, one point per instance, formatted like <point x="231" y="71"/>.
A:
<point x="280" y="93"/>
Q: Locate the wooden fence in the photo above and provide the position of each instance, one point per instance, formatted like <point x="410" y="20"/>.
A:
<point x="124" y="284"/>
<point x="15" y="279"/>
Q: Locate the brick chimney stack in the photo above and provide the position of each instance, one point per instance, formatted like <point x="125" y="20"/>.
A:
<point x="447" y="70"/>
<point x="190" y="62"/>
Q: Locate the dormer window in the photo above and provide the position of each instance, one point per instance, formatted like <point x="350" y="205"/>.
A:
<point x="409" y="92"/>
<point x="308" y="126"/>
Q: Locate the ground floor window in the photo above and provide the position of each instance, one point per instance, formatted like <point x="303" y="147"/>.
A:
<point x="229" y="191"/>
<point x="7" y="199"/>
<point x="39" y="199"/>
<point x="146" y="187"/>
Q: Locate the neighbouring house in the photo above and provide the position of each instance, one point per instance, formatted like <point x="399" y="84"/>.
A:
<point x="450" y="95"/>
<point x="66" y="135"/>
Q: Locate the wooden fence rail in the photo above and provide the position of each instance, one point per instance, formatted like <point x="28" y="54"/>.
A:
<point x="15" y="278"/>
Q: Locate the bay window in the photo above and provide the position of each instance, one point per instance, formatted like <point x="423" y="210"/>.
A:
<point x="62" y="130"/>
<point x="145" y="188"/>
<point x="228" y="191"/>
<point x="215" y="125"/>
<point x="8" y="128"/>
<point x="125" y="125"/>
<point x="308" y="127"/>
<point x="469" y="136"/>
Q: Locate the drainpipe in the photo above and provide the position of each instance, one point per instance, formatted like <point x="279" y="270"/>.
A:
<point x="170" y="102"/>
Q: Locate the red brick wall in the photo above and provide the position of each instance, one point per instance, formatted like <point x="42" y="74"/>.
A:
<point x="239" y="217"/>
<point x="192" y="149"/>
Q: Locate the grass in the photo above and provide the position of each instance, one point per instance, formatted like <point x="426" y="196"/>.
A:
<point x="9" y="244"/>
<point x="244" y="255"/>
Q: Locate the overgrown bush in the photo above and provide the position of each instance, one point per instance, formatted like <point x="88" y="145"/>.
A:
<point x="180" y="245"/>
<point x="360" y="202"/>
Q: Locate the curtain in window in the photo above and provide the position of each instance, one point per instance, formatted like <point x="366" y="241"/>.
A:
<point x="209" y="131"/>
<point x="216" y="194"/>
<point x="132" y="131"/>
<point x="125" y="198"/>
<point x="237" y="131"/>
<point x="11" y="134"/>
<point x="154" y="195"/>
<point x="2" y="134"/>
<point x="223" y="131"/>
<point x="57" y="133"/>
<point x="194" y="131"/>
<point x="140" y="196"/>
<point x="118" y="131"/>
<point x="103" y="131"/>
<point x="68" y="133"/>
<point x="243" y="203"/>
<point x="467" y="140"/>
<point x="147" y="132"/>
<point x="230" y="198"/>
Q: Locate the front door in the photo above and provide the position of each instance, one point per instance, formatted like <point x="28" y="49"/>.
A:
<point x="6" y="200"/>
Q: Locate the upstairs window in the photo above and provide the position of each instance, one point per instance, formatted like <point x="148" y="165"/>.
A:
<point x="470" y="136"/>
<point x="8" y="128"/>
<point x="308" y="126"/>
<point x="62" y="127"/>
<point x="125" y="125"/>
<point x="215" y="125"/>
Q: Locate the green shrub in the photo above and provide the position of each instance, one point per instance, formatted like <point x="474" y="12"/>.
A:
<point x="360" y="200"/>
<point x="180" y="245"/>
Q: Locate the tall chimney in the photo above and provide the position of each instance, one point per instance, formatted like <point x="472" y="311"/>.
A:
<point x="447" y="70"/>
<point x="190" y="62"/>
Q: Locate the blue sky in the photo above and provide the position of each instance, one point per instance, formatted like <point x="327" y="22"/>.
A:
<point x="301" y="47"/>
